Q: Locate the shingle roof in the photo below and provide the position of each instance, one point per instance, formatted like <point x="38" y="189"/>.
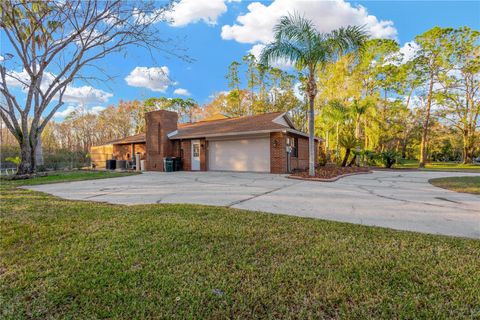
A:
<point x="262" y="122"/>
<point x="229" y="126"/>
<point x="137" y="138"/>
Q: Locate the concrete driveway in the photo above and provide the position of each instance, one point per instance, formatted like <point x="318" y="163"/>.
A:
<point x="398" y="200"/>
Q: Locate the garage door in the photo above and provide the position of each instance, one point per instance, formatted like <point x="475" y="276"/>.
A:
<point x="251" y="154"/>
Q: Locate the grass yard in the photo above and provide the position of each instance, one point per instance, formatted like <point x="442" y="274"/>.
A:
<point x="441" y="166"/>
<point x="459" y="184"/>
<point x="71" y="259"/>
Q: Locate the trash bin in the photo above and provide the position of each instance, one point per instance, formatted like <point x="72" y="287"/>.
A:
<point x="111" y="164"/>
<point x="177" y="163"/>
<point x="168" y="164"/>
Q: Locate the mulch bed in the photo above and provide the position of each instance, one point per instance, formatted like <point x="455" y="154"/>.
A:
<point x="330" y="173"/>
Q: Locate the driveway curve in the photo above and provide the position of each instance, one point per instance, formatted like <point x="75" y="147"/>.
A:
<point x="392" y="199"/>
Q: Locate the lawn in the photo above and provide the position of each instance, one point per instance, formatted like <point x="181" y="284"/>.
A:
<point x="72" y="259"/>
<point x="459" y="184"/>
<point x="443" y="166"/>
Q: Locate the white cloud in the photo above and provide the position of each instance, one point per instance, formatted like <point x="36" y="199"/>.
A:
<point x="65" y="113"/>
<point x="155" y="78"/>
<point x="283" y="64"/>
<point x="2" y="58"/>
<point x="191" y="11"/>
<point x="181" y="92"/>
<point x="257" y="24"/>
<point x="70" y="109"/>
<point x="84" y="95"/>
<point x="409" y="50"/>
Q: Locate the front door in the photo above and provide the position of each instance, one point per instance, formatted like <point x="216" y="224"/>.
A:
<point x="195" y="155"/>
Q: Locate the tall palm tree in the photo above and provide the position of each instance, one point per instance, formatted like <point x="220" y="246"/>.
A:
<point x="297" y="40"/>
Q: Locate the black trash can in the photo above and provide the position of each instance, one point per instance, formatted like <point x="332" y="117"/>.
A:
<point x="168" y="164"/>
<point x="177" y="163"/>
<point x="111" y="164"/>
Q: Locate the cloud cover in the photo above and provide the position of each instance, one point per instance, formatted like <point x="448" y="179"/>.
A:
<point x="257" y="24"/>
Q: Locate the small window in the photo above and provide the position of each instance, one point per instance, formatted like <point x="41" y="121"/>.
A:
<point x="196" y="150"/>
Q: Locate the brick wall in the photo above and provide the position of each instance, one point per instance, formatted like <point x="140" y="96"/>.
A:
<point x="186" y="147"/>
<point x="203" y="155"/>
<point x="159" y="124"/>
<point x="278" y="155"/>
<point x="301" y="162"/>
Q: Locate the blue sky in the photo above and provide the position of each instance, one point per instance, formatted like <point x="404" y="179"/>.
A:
<point x="212" y="36"/>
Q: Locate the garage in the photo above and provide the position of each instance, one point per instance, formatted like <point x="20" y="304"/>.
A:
<point x="249" y="154"/>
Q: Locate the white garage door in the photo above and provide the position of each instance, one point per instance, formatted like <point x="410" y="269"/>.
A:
<point x="252" y="154"/>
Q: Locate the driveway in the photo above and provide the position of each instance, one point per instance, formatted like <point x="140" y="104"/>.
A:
<point x="398" y="200"/>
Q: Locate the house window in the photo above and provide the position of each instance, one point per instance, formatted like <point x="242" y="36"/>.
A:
<point x="196" y="150"/>
<point x="294" y="142"/>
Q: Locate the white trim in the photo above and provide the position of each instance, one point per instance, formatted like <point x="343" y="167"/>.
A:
<point x="193" y="158"/>
<point x="284" y="116"/>
<point x="171" y="134"/>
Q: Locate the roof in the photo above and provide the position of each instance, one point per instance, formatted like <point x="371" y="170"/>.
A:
<point x="268" y="122"/>
<point x="262" y="123"/>
<point x="137" y="138"/>
<point x="215" y="116"/>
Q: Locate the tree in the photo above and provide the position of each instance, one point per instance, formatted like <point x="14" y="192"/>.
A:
<point x="435" y="48"/>
<point x="459" y="100"/>
<point x="53" y="42"/>
<point x="297" y="40"/>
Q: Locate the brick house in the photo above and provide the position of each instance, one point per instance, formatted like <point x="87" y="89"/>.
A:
<point x="261" y="143"/>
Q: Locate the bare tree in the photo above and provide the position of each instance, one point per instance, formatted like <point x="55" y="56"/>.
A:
<point x="53" y="42"/>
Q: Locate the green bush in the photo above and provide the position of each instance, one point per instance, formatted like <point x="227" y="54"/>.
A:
<point x="389" y="158"/>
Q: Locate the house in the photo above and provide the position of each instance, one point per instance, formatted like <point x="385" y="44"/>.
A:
<point x="260" y="143"/>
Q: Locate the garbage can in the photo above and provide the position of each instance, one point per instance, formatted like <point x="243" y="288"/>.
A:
<point x="168" y="164"/>
<point x="111" y="164"/>
<point x="177" y="164"/>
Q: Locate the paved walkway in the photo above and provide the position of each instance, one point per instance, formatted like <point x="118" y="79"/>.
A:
<point x="398" y="200"/>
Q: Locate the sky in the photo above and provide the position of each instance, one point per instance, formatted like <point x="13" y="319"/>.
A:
<point x="214" y="33"/>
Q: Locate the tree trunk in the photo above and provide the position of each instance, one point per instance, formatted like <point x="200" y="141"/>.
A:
<point x="27" y="162"/>
<point x="423" y="145"/>
<point x="337" y="153"/>
<point x="311" y="137"/>
<point x="345" y="159"/>
<point x="467" y="147"/>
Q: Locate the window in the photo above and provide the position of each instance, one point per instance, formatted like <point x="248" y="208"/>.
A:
<point x="196" y="150"/>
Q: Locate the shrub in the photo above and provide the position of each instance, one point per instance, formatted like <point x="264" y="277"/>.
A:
<point x="389" y="158"/>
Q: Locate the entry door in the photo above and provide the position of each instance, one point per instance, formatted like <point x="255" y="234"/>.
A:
<point x="195" y="155"/>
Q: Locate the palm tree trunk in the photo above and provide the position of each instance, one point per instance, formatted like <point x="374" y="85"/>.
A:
<point x="311" y="137"/>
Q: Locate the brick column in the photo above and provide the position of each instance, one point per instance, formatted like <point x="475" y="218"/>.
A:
<point x="278" y="154"/>
<point x="159" y="124"/>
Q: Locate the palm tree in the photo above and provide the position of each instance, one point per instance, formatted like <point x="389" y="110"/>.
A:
<point x="297" y="40"/>
<point x="336" y="113"/>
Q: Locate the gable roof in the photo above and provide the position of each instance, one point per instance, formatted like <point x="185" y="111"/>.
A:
<point x="262" y="123"/>
<point x="267" y="122"/>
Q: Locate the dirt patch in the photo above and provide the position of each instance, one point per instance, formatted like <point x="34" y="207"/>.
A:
<point x="330" y="173"/>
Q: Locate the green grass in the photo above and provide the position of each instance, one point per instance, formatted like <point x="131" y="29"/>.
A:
<point x="71" y="259"/>
<point x="459" y="184"/>
<point x="59" y="176"/>
<point x="440" y="166"/>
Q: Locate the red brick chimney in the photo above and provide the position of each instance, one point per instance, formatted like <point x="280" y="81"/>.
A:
<point x="158" y="125"/>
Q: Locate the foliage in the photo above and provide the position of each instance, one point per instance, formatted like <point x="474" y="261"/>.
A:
<point x="15" y="160"/>
<point x="389" y="158"/>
